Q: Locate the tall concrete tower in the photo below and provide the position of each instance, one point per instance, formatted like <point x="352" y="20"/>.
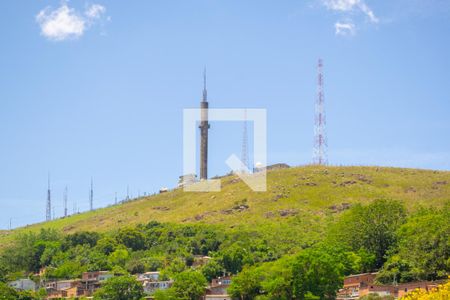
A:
<point x="204" y="127"/>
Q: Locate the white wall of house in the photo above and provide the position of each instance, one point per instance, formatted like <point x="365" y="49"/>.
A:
<point x="23" y="284"/>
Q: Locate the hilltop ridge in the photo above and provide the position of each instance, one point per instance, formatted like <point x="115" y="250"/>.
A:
<point x="304" y="196"/>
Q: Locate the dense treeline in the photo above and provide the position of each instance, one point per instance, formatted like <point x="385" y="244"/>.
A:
<point x="379" y="236"/>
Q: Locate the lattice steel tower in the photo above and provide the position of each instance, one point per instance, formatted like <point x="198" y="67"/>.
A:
<point x="320" y="155"/>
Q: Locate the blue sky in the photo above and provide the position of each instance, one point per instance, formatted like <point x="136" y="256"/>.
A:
<point x="97" y="88"/>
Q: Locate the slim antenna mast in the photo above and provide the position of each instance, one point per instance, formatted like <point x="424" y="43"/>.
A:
<point x="65" y="202"/>
<point x="205" y="92"/>
<point x="320" y="156"/>
<point x="244" y="155"/>
<point x="48" y="213"/>
<point x="91" y="195"/>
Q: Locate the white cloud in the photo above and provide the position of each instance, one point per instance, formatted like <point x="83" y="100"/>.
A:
<point x="365" y="9"/>
<point x="95" y="11"/>
<point x="351" y="5"/>
<point x="342" y="5"/>
<point x="65" y="23"/>
<point x="344" y="29"/>
<point x="60" y="24"/>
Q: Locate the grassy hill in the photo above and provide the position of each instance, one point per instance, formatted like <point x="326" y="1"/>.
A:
<point x="299" y="200"/>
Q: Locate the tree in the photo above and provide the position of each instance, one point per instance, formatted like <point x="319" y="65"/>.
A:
<point x="247" y="284"/>
<point x="67" y="270"/>
<point x="98" y="261"/>
<point x="106" y="245"/>
<point x="372" y="227"/>
<point x="235" y="257"/>
<point x="7" y="292"/>
<point x="120" y="288"/>
<point x="3" y="272"/>
<point x="423" y="251"/>
<point x="51" y="249"/>
<point x="317" y="273"/>
<point x="81" y="238"/>
<point x="27" y="295"/>
<point x="278" y="278"/>
<point x="212" y="269"/>
<point x="119" y="257"/>
<point x="132" y="238"/>
<point x="168" y="294"/>
<point x="189" y="285"/>
<point x="135" y="265"/>
<point x="25" y="253"/>
<point x="176" y="265"/>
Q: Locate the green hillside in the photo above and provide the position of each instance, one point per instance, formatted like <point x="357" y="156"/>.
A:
<point x="304" y="198"/>
<point x="298" y="240"/>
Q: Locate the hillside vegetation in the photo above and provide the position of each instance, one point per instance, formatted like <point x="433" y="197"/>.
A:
<point x="298" y="240"/>
<point x="303" y="197"/>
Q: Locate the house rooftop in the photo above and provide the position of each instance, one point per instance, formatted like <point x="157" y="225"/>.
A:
<point x="362" y="274"/>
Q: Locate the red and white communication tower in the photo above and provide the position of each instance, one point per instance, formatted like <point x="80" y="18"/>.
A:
<point x="320" y="156"/>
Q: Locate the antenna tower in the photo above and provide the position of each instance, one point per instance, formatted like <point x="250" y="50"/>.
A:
<point x="65" y="202"/>
<point x="204" y="127"/>
<point x="244" y="155"/>
<point x="320" y="156"/>
<point x="91" y="195"/>
<point x="48" y="213"/>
